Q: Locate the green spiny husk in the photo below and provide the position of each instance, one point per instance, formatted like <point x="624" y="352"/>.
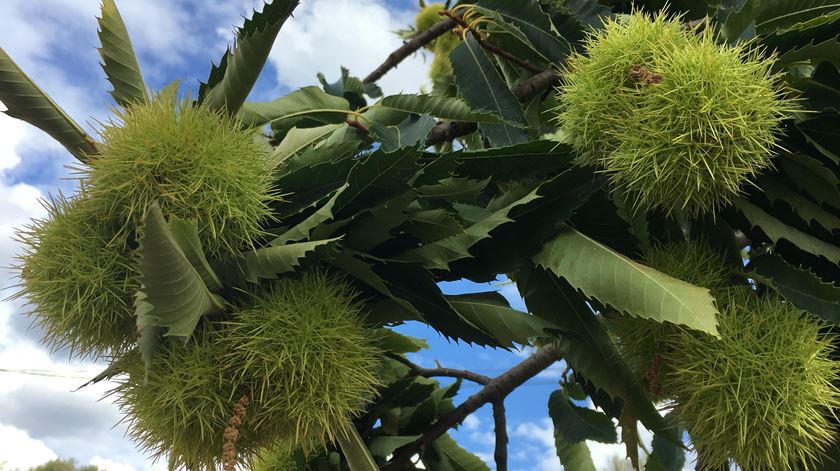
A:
<point x="274" y="459"/>
<point x="182" y="407"/>
<point x="644" y="341"/>
<point x="441" y="71"/>
<point x="675" y="119"/>
<point x="77" y="276"/>
<point x="692" y="261"/>
<point x="428" y="16"/>
<point x="198" y="163"/>
<point x="297" y="348"/>
<point x="303" y="344"/>
<point x="762" y="393"/>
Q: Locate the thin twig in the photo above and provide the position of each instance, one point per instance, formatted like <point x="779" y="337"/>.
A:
<point x="529" y="88"/>
<point x="500" y="425"/>
<point x="356" y="124"/>
<point x="409" y="47"/>
<point x="535" y="85"/>
<point x="498" y="388"/>
<point x="418" y="370"/>
<point x="490" y="47"/>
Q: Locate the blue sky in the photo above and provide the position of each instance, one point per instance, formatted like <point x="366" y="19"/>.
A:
<point x="55" y="42"/>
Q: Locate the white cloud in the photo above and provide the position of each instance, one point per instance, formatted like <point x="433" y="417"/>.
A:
<point x="545" y="458"/>
<point x="109" y="465"/>
<point x="472" y="422"/>
<point x="358" y="34"/>
<point x="21" y="451"/>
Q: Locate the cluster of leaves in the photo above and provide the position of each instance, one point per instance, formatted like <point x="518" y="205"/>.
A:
<point x="366" y="199"/>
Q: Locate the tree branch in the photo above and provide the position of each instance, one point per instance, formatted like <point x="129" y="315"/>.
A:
<point x="533" y="86"/>
<point x="491" y="47"/>
<point x="495" y="390"/>
<point x="409" y="47"/>
<point x="418" y="370"/>
<point x="500" y="425"/>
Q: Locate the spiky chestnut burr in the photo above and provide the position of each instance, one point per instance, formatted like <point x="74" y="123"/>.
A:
<point x="182" y="408"/>
<point x="428" y="16"/>
<point x="76" y="275"/>
<point x="645" y="342"/>
<point x="441" y="72"/>
<point x="761" y="394"/>
<point x="198" y="163"/>
<point x="312" y="364"/>
<point x="677" y="120"/>
<point x="297" y="348"/>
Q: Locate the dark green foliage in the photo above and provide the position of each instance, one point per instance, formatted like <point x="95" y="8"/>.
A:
<point x="626" y="225"/>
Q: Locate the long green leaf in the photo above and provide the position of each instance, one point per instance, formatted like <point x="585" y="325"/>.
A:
<point x="481" y="86"/>
<point x="576" y="424"/>
<point x="186" y="236"/>
<point x="813" y="54"/>
<point x="414" y="292"/>
<point x="120" y="62"/>
<point x="411" y="132"/>
<point x="799" y="287"/>
<point x="441" y="253"/>
<point x="626" y="285"/>
<point x="384" y="446"/>
<point x="445" y="454"/>
<point x="780" y="15"/>
<point x="354" y="449"/>
<point x="823" y="132"/>
<point x="230" y="83"/>
<point x="810" y="212"/>
<point x="535" y="25"/>
<point x="736" y="19"/>
<point x="442" y="107"/>
<point x="812" y="177"/>
<point x="374" y="226"/>
<point x="305" y="103"/>
<point x="573" y="455"/>
<point x="268" y="262"/>
<point x="588" y="348"/>
<point x="666" y="455"/>
<point x="303" y="229"/>
<point x="26" y="101"/>
<point x="491" y="313"/>
<point x="375" y="178"/>
<point x="513" y="162"/>
<point x="776" y="230"/>
<point x="297" y="140"/>
<point x="172" y="294"/>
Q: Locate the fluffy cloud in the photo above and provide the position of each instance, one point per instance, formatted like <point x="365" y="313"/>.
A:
<point x="539" y="444"/>
<point x="110" y="465"/>
<point x="358" y="34"/>
<point x="20" y="451"/>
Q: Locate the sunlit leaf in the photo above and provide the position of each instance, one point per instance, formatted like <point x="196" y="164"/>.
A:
<point x="628" y="286"/>
<point x="25" y="101"/>
<point x="120" y="62"/>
